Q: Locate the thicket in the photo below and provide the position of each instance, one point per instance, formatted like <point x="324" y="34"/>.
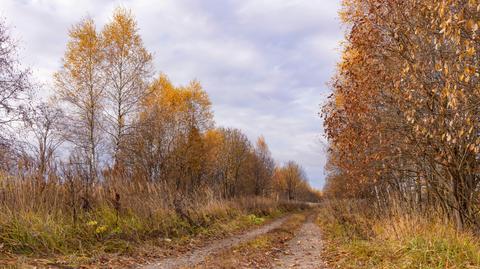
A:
<point x="403" y="119"/>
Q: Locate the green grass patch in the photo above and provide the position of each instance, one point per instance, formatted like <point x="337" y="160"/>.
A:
<point x="252" y="218"/>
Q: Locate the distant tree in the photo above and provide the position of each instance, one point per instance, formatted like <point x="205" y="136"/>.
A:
<point x="235" y="150"/>
<point x="263" y="167"/>
<point x="290" y="179"/>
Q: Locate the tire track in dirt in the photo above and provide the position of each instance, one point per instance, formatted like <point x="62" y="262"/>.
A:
<point x="304" y="250"/>
<point x="196" y="256"/>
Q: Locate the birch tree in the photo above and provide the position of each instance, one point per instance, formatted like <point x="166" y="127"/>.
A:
<point x="80" y="85"/>
<point x="128" y="67"/>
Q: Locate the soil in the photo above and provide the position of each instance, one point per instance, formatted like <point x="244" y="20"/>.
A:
<point x="196" y="256"/>
<point x="304" y="250"/>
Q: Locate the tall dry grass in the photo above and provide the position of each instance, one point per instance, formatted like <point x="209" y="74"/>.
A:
<point x="360" y="236"/>
<point x="55" y="217"/>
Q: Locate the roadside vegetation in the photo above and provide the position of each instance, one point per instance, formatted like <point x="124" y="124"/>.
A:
<point x="403" y="125"/>
<point x="119" y="157"/>
<point x="356" y="237"/>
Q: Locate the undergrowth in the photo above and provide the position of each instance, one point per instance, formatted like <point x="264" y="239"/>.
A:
<point x="104" y="229"/>
<point x="356" y="238"/>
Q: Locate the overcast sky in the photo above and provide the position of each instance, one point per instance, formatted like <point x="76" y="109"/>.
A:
<point x="264" y="63"/>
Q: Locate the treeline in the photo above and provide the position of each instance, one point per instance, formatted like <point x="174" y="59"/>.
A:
<point x="111" y="132"/>
<point x="403" y="119"/>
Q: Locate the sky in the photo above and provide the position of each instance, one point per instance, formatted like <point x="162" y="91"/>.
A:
<point x="264" y="63"/>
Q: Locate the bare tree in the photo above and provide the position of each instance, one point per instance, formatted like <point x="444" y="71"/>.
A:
<point x="14" y="92"/>
<point x="44" y="125"/>
<point x="14" y="83"/>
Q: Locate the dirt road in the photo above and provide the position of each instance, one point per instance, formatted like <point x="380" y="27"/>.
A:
<point x="304" y="249"/>
<point x="190" y="259"/>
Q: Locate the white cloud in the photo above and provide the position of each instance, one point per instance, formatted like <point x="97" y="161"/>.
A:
<point x="265" y="63"/>
<point x="284" y="16"/>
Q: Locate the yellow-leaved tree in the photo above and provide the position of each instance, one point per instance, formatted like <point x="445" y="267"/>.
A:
<point x="170" y="140"/>
<point x="80" y="85"/>
<point x="128" y="67"/>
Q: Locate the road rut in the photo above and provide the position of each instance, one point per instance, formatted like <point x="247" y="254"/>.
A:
<point x="195" y="257"/>
<point x="304" y="250"/>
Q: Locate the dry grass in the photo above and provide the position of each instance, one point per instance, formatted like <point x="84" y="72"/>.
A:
<point x="47" y="219"/>
<point x="357" y="239"/>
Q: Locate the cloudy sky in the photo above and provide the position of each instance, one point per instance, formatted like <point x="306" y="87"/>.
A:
<point x="264" y="63"/>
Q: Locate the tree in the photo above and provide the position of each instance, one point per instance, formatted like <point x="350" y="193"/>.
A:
<point x="403" y="120"/>
<point x="235" y="150"/>
<point x="289" y="182"/>
<point x="14" y="93"/>
<point x="294" y="178"/>
<point x="168" y="145"/>
<point x="128" y="66"/>
<point x="44" y="125"/>
<point x="263" y="166"/>
<point x="14" y="81"/>
<point x="80" y="86"/>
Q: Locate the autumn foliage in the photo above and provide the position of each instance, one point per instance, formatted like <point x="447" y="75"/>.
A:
<point x="119" y="154"/>
<point x="403" y="118"/>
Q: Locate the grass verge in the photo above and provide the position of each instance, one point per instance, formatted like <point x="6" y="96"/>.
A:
<point x="105" y="238"/>
<point x="355" y="240"/>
